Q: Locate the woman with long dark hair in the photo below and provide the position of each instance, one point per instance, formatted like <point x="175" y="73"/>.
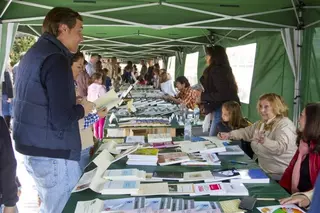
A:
<point x="218" y="82"/>
<point x="302" y="172"/>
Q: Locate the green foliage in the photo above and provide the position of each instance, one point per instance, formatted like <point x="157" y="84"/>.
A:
<point x="20" y="45"/>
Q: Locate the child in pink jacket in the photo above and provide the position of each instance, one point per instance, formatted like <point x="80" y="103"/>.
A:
<point x="95" y="90"/>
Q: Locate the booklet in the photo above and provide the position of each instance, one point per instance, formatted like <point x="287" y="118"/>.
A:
<point x="150" y="189"/>
<point x="196" y="176"/>
<point x="281" y="209"/>
<point x="120" y="187"/>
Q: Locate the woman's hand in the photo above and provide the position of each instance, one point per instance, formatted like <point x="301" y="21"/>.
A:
<point x="259" y="136"/>
<point x="301" y="200"/>
<point x="224" y="135"/>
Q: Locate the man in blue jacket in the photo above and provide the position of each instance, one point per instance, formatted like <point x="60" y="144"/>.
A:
<point x="46" y="126"/>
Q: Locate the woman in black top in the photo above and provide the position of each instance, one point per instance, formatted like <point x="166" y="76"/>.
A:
<point x="218" y="82"/>
<point x="8" y="165"/>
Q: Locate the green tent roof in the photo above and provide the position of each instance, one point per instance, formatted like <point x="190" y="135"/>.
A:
<point x="128" y="28"/>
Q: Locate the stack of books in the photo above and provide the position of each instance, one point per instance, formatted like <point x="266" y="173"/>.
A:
<point x="144" y="156"/>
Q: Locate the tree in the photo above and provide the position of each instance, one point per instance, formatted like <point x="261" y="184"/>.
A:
<point x="21" y="44"/>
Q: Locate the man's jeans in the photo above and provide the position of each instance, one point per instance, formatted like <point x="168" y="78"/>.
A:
<point x="55" y="178"/>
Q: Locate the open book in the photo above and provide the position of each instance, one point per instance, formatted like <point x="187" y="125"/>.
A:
<point x="107" y="100"/>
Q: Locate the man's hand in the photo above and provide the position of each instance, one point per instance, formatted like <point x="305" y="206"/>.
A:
<point x="87" y="105"/>
<point x="11" y="209"/>
<point x="102" y="113"/>
<point x="301" y="200"/>
<point x="9" y="100"/>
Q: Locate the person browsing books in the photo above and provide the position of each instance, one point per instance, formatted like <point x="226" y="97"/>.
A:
<point x="86" y="134"/>
<point x="166" y="84"/>
<point x="232" y="118"/>
<point x="302" y="172"/>
<point x="272" y="138"/>
<point x="96" y="90"/>
<point x="186" y="95"/>
<point x="46" y="111"/>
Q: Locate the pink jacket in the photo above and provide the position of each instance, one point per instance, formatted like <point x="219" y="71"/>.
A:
<point x="83" y="83"/>
<point x="95" y="91"/>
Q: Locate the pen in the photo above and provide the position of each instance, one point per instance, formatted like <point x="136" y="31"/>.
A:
<point x="238" y="162"/>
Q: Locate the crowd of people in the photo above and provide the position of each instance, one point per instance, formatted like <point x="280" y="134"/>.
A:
<point x="53" y="115"/>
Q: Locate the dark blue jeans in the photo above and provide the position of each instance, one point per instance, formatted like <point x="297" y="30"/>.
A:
<point x="6" y="107"/>
<point x="216" y="120"/>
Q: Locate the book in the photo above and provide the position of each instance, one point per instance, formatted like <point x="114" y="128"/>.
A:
<point x="107" y="100"/>
<point x="144" y="153"/>
<point x="230" y="206"/>
<point x="202" y="147"/>
<point x="198" y="159"/>
<point x="196" y="176"/>
<point x="232" y="150"/>
<point x="281" y="209"/>
<point x="181" y="189"/>
<point x="234" y="189"/>
<point x="150" y="189"/>
<point x="120" y="187"/>
<point x="251" y="176"/>
<point x="167" y="175"/>
<point x="208" y="189"/>
<point x="165" y="159"/>
<point x="200" y="206"/>
<point x="159" y="138"/>
<point x="135" y="139"/>
<point x="224" y="175"/>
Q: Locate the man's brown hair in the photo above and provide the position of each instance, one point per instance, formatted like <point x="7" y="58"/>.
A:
<point x="57" y="16"/>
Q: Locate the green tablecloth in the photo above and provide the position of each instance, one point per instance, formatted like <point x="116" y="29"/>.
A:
<point x="271" y="190"/>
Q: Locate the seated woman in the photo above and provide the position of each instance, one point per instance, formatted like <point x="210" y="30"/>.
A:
<point x="302" y="172"/>
<point x="186" y="95"/>
<point x="166" y="84"/>
<point x="273" y="138"/>
<point x="231" y="118"/>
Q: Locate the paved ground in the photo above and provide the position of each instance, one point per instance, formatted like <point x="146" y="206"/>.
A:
<point x="28" y="202"/>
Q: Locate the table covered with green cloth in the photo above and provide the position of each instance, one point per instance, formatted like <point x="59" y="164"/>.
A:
<point x="271" y="190"/>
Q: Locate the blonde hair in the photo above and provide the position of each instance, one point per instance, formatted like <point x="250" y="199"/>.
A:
<point x="280" y="108"/>
<point x="164" y="77"/>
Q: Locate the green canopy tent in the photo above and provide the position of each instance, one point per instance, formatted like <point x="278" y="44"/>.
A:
<point x="136" y="29"/>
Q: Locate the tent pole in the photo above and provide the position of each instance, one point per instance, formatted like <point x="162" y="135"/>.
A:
<point x="5" y="8"/>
